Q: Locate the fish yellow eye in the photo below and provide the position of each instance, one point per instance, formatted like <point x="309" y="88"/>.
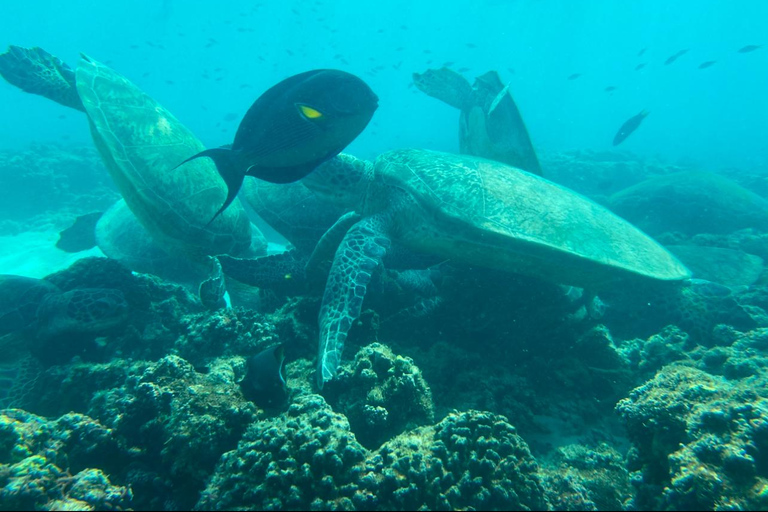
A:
<point x="309" y="112"/>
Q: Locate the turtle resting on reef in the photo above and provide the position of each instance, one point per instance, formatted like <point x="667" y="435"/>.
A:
<point x="37" y="318"/>
<point x="490" y="125"/>
<point x="140" y="142"/>
<point x="473" y="210"/>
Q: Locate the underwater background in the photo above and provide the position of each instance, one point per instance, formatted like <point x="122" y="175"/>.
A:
<point x="132" y="381"/>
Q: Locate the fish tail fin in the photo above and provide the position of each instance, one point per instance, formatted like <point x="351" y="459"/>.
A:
<point x="231" y="169"/>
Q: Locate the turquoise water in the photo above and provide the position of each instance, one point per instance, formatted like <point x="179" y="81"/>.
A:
<point x="593" y="338"/>
<point x="713" y="116"/>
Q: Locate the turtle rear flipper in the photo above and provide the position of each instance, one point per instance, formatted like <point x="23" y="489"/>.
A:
<point x="36" y="71"/>
<point x="282" y="273"/>
<point x="361" y="251"/>
<point x="509" y="136"/>
<point x="446" y="85"/>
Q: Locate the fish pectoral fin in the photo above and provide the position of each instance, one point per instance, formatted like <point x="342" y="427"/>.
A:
<point x="361" y="251"/>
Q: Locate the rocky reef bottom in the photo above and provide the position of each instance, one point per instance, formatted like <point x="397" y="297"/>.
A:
<point x="505" y="410"/>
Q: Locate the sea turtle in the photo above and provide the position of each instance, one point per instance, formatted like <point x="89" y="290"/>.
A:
<point x="140" y="142"/>
<point x="473" y="210"/>
<point x="407" y="286"/>
<point x="490" y="125"/>
<point x="120" y="236"/>
<point x="38" y="322"/>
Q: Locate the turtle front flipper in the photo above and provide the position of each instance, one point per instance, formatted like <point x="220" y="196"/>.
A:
<point x="36" y="71"/>
<point x="361" y="251"/>
<point x="330" y="239"/>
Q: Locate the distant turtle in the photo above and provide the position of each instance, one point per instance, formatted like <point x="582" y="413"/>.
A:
<point x="140" y="142"/>
<point x="490" y="125"/>
<point x="473" y="210"/>
<point x="40" y="322"/>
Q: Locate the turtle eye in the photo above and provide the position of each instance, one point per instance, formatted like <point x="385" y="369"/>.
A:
<point x="309" y="112"/>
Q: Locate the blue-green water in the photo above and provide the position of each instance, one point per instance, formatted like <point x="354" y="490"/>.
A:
<point x="594" y="339"/>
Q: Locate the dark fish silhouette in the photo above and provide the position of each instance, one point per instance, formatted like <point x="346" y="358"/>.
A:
<point x="629" y="126"/>
<point x="705" y="65"/>
<point x="293" y="127"/>
<point x="264" y="382"/>
<point x="639" y="67"/>
<point x="749" y="48"/>
<point x="641" y="52"/>
<point x="574" y="76"/>
<point x="610" y="88"/>
<point x="674" y="57"/>
<point x="81" y="235"/>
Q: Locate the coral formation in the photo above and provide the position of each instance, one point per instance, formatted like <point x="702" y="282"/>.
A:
<point x="309" y="459"/>
<point x="381" y="394"/>
<point x="44" y="465"/>
<point x="699" y="441"/>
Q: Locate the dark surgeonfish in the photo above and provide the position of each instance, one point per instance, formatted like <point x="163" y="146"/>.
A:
<point x="264" y="382"/>
<point x="293" y="127"/>
<point x="749" y="48"/>
<point x="674" y="57"/>
<point x="81" y="235"/>
<point x="629" y="126"/>
<point x="705" y="65"/>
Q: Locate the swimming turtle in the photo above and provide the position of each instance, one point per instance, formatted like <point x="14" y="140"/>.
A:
<point x="140" y="142"/>
<point x="478" y="211"/>
<point x="490" y="125"/>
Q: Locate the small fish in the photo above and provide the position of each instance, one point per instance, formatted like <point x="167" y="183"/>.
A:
<point x="749" y="48"/>
<point x="629" y="126"/>
<point x="264" y="382"/>
<point x="293" y="127"/>
<point x="62" y="116"/>
<point x="641" y="52"/>
<point x="471" y="45"/>
<point x="574" y="76"/>
<point x="705" y="65"/>
<point x="674" y="57"/>
<point x="464" y="69"/>
<point x="170" y="82"/>
<point x="81" y="235"/>
<point x="231" y="116"/>
<point x="610" y="88"/>
<point x="639" y="66"/>
<point x="146" y="74"/>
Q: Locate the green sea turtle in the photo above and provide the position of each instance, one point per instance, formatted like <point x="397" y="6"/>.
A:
<point x="490" y="125"/>
<point x="474" y="210"/>
<point x="691" y="202"/>
<point x="140" y="142"/>
<point x="120" y="236"/>
<point x="36" y="317"/>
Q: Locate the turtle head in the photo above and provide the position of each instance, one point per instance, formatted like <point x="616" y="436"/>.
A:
<point x="341" y="180"/>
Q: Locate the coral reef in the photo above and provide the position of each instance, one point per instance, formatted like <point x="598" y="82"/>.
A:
<point x="699" y="441"/>
<point x="309" y="459"/>
<point x="381" y="394"/>
<point x="579" y="477"/>
<point x="44" y="465"/>
<point x="49" y="185"/>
